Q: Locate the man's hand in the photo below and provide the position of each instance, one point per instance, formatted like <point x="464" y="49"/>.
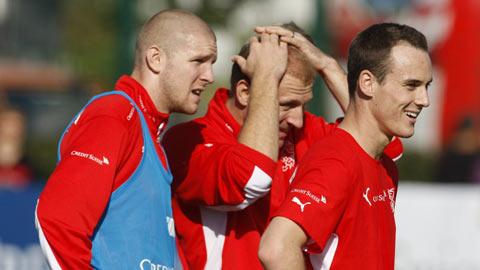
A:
<point x="317" y="58"/>
<point x="268" y="55"/>
<point x="332" y="73"/>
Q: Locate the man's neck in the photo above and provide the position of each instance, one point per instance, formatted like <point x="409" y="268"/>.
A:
<point x="238" y="114"/>
<point x="365" y="130"/>
<point x="152" y="90"/>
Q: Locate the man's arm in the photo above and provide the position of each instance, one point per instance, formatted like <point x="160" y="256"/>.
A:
<point x="281" y="245"/>
<point x="77" y="193"/>
<point x="265" y="66"/>
<point x="212" y="169"/>
<point x="332" y="73"/>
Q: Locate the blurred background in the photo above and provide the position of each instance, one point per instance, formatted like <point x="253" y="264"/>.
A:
<point x="55" y="55"/>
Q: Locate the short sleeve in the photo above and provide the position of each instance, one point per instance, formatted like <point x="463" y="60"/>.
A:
<point x="318" y="196"/>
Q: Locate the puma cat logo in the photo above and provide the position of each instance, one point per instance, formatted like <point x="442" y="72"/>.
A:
<point x="302" y="205"/>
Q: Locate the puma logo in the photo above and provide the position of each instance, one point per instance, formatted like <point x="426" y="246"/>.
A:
<point x="365" y="195"/>
<point x="302" y="205"/>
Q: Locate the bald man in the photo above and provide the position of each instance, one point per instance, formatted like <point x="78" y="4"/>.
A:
<point x="107" y="203"/>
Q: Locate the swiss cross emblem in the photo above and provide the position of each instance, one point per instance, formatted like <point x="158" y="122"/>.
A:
<point x="287" y="163"/>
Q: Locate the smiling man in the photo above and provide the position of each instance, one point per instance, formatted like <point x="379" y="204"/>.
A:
<point x="339" y="213"/>
<point x="107" y="205"/>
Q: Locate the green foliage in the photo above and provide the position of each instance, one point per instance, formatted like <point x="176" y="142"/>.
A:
<point x="42" y="156"/>
<point x="417" y="166"/>
<point x="214" y="12"/>
<point x="89" y="36"/>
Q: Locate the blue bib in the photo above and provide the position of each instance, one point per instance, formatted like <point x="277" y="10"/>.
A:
<point x="137" y="228"/>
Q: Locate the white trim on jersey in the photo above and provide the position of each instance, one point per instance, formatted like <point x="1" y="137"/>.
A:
<point x="214" y="226"/>
<point x="46" y="249"/>
<point x="257" y="186"/>
<point x="397" y="157"/>
<point x="323" y="261"/>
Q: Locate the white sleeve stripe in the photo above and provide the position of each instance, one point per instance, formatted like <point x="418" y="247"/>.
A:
<point x="324" y="260"/>
<point x="214" y="226"/>
<point x="257" y="186"/>
<point x="47" y="251"/>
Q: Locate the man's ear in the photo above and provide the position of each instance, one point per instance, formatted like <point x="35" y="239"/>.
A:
<point x="366" y="83"/>
<point x="242" y="92"/>
<point x="156" y="59"/>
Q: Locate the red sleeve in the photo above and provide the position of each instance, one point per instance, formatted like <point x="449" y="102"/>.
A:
<point x="318" y="196"/>
<point x="78" y="191"/>
<point x="224" y="174"/>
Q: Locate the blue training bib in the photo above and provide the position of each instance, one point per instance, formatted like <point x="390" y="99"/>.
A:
<point x="137" y="228"/>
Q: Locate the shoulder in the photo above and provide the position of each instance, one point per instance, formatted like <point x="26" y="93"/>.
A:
<point x="197" y="131"/>
<point x="328" y="155"/>
<point x="180" y="140"/>
<point x="109" y="107"/>
<point x="328" y="165"/>
<point x="333" y="145"/>
<point x="185" y="132"/>
<point x="334" y="154"/>
<point x="316" y="127"/>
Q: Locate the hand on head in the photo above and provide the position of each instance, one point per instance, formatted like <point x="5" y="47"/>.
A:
<point x="267" y="55"/>
<point x="315" y="56"/>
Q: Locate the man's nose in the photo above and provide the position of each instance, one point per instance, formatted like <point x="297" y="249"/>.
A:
<point x="207" y="74"/>
<point x="295" y="117"/>
<point x="422" y="99"/>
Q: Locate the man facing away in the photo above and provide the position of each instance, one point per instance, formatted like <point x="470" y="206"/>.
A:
<point x="340" y="209"/>
<point x="107" y="204"/>
<point x="223" y="163"/>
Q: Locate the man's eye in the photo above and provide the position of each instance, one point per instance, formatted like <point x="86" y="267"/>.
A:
<point x="288" y="106"/>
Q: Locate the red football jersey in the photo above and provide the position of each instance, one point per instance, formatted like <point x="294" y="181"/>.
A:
<point x="223" y="190"/>
<point x="78" y="191"/>
<point x="344" y="200"/>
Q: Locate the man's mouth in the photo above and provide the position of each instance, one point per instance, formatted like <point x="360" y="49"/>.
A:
<point x="412" y="114"/>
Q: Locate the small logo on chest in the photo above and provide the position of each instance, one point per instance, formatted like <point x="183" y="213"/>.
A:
<point x="388" y="194"/>
<point x="365" y="196"/>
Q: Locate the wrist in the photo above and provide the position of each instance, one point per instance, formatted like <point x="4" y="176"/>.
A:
<point x="267" y="74"/>
<point x="329" y="66"/>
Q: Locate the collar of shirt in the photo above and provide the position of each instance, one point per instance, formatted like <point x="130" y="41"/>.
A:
<point x="157" y="120"/>
<point x="218" y="111"/>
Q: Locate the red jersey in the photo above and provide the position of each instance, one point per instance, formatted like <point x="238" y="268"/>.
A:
<point x="344" y="200"/>
<point x="100" y="151"/>
<point x="221" y="200"/>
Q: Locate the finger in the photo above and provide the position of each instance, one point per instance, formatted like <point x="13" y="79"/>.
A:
<point x="274" y="39"/>
<point x="259" y="29"/>
<point x="294" y="41"/>
<point x="264" y="37"/>
<point x="253" y="39"/>
<point x="278" y="30"/>
<point x="239" y="61"/>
